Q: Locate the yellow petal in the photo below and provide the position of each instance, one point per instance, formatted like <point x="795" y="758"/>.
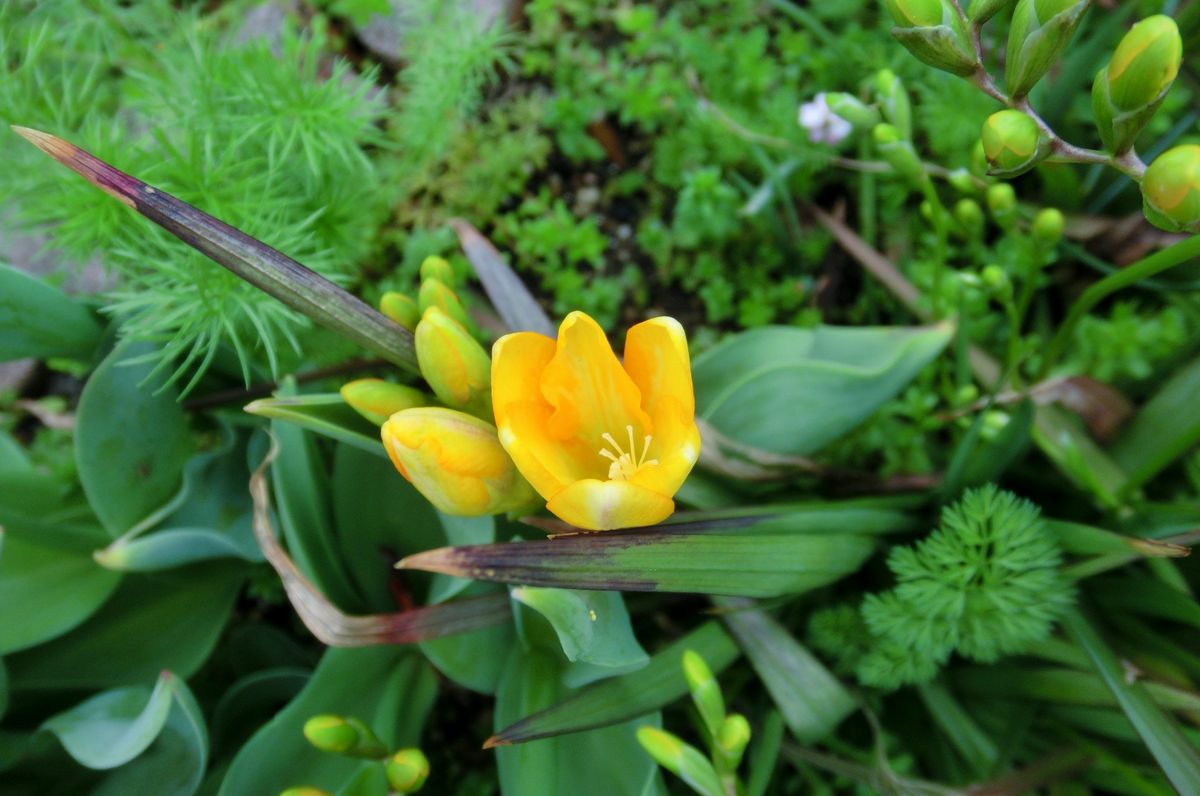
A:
<point x="676" y="446"/>
<point x="596" y="505"/>
<point x="518" y="360"/>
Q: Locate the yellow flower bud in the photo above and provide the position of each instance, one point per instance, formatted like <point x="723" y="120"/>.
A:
<point x="706" y="692"/>
<point x="1040" y="31"/>
<point x="344" y="736"/>
<point x="732" y="739"/>
<point x="1128" y="91"/>
<point x="933" y="31"/>
<point x="407" y="770"/>
<point x="435" y="293"/>
<point x="377" y="400"/>
<point x="401" y="309"/>
<point x="455" y="461"/>
<point x="1013" y="143"/>
<point x="454" y="363"/>
<point x="305" y="790"/>
<point x="1171" y="189"/>
<point x="437" y="268"/>
<point x="681" y="759"/>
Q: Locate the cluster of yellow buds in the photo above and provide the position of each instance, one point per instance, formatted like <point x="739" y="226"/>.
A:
<point x="406" y="770"/>
<point x="561" y="423"/>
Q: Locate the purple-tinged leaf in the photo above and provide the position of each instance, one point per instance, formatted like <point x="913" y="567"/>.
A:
<point x="517" y="307"/>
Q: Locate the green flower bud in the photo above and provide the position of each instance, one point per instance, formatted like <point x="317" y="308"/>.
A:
<point x="343" y="736"/>
<point x="852" y="109"/>
<point x="437" y="268"/>
<point x="966" y="394"/>
<point x="1127" y="92"/>
<point x="962" y="181"/>
<point x="933" y="31"/>
<point x="1048" y="226"/>
<point x="898" y="152"/>
<point x="435" y="293"/>
<point x="978" y="164"/>
<point x="1040" y="31"/>
<point x="407" y="770"/>
<point x="983" y="10"/>
<point x="893" y="101"/>
<point x="731" y="740"/>
<point x="1002" y="203"/>
<point x="305" y="790"/>
<point x="401" y="309"/>
<point x="1171" y="190"/>
<point x="1013" y="143"/>
<point x="682" y="760"/>
<point x="377" y="400"/>
<point x="995" y="278"/>
<point x="455" y="365"/>
<point x="706" y="692"/>
<point x="969" y="215"/>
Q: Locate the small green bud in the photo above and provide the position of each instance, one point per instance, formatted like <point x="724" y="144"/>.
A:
<point x="732" y="739"/>
<point x="961" y="181"/>
<point x="343" y="736"/>
<point x="681" y="759"/>
<point x="995" y="278"/>
<point x="407" y="770"/>
<point x="305" y="790"/>
<point x="401" y="309"/>
<point x="969" y="215"/>
<point x="1128" y="91"/>
<point x="933" y="31"/>
<point x="1013" y="143"/>
<point x="899" y="153"/>
<point x="1040" y="31"/>
<point x="983" y="10"/>
<point x="1048" y="226"/>
<point x="1002" y="203"/>
<point x="852" y="109"/>
<point x="377" y="400"/>
<point x="435" y="293"/>
<point x="437" y="268"/>
<point x="994" y="421"/>
<point x="1171" y="190"/>
<point x="966" y="394"/>
<point x="894" y="102"/>
<point x="978" y="164"/>
<point x="455" y="365"/>
<point x="706" y="692"/>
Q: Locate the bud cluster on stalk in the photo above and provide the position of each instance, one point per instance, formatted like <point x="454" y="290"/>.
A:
<point x="405" y="770"/>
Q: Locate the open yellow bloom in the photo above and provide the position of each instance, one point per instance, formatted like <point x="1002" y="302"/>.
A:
<point x="606" y="445"/>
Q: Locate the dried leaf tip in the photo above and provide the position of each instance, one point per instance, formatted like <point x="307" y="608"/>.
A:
<point x="52" y="145"/>
<point x="494" y="741"/>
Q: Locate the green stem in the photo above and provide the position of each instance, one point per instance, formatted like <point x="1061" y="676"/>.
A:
<point x="941" y="234"/>
<point x="1145" y="268"/>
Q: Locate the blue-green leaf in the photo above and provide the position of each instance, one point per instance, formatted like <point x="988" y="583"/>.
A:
<point x="37" y="320"/>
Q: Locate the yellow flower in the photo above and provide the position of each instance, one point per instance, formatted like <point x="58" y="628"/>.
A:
<point x="455" y="461"/>
<point x="606" y="445"/>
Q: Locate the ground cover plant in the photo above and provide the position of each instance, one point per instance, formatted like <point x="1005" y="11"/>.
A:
<point x="758" y="397"/>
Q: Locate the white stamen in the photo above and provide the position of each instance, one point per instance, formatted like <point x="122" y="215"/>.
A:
<point x="625" y="464"/>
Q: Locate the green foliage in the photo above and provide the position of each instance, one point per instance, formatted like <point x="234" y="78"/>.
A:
<point x="1130" y="343"/>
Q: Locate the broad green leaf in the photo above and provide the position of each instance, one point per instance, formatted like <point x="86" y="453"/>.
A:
<point x="251" y="702"/>
<point x="474" y="659"/>
<point x="37" y="320"/>
<point x="169" y="620"/>
<point x="592" y="627"/>
<point x="1179" y="759"/>
<point x="1163" y="430"/>
<point x="661" y="559"/>
<point x="811" y="700"/>
<point x="46" y="590"/>
<point x="657" y="684"/>
<point x="302" y="499"/>
<point x="176" y="547"/>
<point x="792" y="391"/>
<point x="131" y="439"/>
<point x="324" y="414"/>
<point x="390" y="688"/>
<point x="584" y="763"/>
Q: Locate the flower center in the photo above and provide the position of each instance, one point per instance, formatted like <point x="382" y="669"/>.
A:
<point x="625" y="464"/>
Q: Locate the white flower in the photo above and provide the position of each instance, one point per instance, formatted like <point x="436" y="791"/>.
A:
<point x="823" y="125"/>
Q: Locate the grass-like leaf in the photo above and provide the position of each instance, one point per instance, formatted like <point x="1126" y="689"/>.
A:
<point x="517" y="307"/>
<point x="324" y="413"/>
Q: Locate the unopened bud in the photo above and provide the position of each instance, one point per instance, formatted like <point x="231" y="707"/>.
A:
<point x="401" y="309"/>
<point x="995" y="278"/>
<point x="969" y="215"/>
<point x="983" y="10"/>
<point x="454" y="364"/>
<point x="706" y="692"/>
<point x="343" y="736"/>
<point x="407" y="770"/>
<point x="933" y="31"/>
<point x="437" y="268"/>
<point x="1128" y="91"/>
<point x="1171" y="190"/>
<point x="435" y="293"/>
<point x="1048" y="226"/>
<point x="305" y="790"/>
<point x="966" y="394"/>
<point x="456" y="461"/>
<point x="899" y="153"/>
<point x="894" y="102"/>
<point x="377" y="400"/>
<point x="961" y="180"/>
<point x="1002" y="203"/>
<point x="731" y="740"/>
<point x="681" y="759"/>
<point x="852" y="109"/>
<point x="1013" y="143"/>
<point x="1040" y="31"/>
